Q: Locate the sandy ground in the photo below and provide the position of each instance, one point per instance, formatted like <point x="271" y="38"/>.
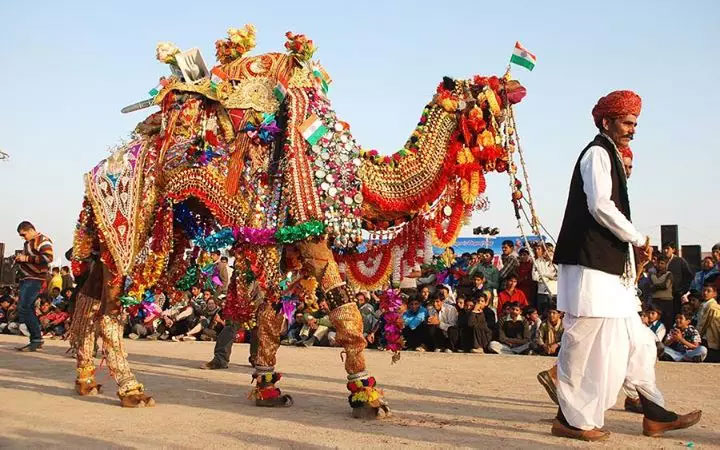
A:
<point x="438" y="400"/>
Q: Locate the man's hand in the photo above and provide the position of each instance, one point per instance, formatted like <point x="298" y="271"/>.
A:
<point x="646" y="252"/>
<point x="371" y="338"/>
<point x="552" y="348"/>
<point x="434" y="320"/>
<point x="312" y="323"/>
<point x="21" y="258"/>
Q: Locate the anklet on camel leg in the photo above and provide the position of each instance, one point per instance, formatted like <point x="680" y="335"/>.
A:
<point x="85" y="383"/>
<point x="265" y="393"/>
<point x="366" y="400"/>
<point x="132" y="395"/>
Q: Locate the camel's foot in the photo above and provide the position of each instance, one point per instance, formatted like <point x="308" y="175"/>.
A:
<point x="283" y="400"/>
<point x="87" y="387"/>
<point x="369" y="413"/>
<point x="136" y="400"/>
<point x="366" y="400"/>
<point x="265" y="392"/>
<point x="132" y="395"/>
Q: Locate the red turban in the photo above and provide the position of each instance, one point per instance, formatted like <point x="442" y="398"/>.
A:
<point x="626" y="152"/>
<point x="616" y="104"/>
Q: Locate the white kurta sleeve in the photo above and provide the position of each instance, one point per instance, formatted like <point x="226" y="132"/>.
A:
<point x="597" y="184"/>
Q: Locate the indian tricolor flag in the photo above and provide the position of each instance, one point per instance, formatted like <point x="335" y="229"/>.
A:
<point x="322" y="77"/>
<point x="522" y="57"/>
<point x="312" y="129"/>
<point x="280" y="90"/>
<point x="217" y="76"/>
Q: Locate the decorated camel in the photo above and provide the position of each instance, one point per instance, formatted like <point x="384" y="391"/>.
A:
<point x="253" y="158"/>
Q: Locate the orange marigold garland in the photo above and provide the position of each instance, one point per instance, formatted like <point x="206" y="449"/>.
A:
<point x="444" y="237"/>
<point x="370" y="277"/>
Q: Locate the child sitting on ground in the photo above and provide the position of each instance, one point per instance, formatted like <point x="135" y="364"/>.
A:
<point x="550" y="334"/>
<point x="655" y="324"/>
<point x="683" y="342"/>
<point x="514" y="333"/>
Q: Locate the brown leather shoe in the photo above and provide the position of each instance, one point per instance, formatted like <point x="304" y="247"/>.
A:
<point x="634" y="406"/>
<point x="212" y="365"/>
<point x="560" y="430"/>
<point x="657" y="429"/>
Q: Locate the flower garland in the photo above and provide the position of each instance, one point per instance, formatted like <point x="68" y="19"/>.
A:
<point x="239" y="42"/>
<point x="363" y="393"/>
<point x="390" y="302"/>
<point x="445" y="237"/>
<point x="410" y="240"/>
<point x="363" y="274"/>
<point x="299" y="46"/>
<point x="166" y="52"/>
<point x="265" y="386"/>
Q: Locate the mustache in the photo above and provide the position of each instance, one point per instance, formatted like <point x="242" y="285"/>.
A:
<point x="630" y="136"/>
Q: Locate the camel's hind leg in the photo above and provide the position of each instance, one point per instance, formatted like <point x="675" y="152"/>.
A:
<point x="269" y="325"/>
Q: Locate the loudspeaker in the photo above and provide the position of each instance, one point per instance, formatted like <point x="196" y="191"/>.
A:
<point x="669" y="233"/>
<point x="693" y="255"/>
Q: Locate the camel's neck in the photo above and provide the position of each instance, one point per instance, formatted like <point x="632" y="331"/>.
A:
<point x="418" y="176"/>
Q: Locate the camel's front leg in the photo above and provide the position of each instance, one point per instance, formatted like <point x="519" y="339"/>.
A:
<point x="130" y="391"/>
<point x="82" y="338"/>
<point x="365" y="399"/>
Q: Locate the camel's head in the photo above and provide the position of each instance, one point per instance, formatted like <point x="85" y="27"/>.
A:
<point x="491" y="95"/>
<point x="482" y="108"/>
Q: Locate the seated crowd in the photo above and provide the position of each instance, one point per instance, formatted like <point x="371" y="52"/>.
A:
<point x="504" y="305"/>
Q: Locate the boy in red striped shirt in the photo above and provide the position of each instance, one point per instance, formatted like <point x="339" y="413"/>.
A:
<point x="33" y="264"/>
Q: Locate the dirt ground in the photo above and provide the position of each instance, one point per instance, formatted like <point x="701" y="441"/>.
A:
<point x="438" y="400"/>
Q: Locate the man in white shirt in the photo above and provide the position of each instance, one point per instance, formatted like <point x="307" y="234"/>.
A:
<point x="545" y="274"/>
<point x="605" y="342"/>
<point x="442" y="326"/>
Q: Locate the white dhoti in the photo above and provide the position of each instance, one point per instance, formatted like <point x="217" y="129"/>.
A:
<point x="605" y="344"/>
<point x="598" y="355"/>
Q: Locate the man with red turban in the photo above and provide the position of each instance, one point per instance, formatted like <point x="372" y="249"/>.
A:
<point x="627" y="160"/>
<point x="605" y="343"/>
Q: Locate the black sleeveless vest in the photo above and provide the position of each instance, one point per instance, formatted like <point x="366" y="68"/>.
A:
<point x="582" y="240"/>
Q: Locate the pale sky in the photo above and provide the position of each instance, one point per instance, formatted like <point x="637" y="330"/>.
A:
<point x="69" y="68"/>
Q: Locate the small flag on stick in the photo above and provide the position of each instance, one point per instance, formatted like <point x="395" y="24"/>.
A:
<point x="217" y="76"/>
<point x="156" y="90"/>
<point x="522" y="57"/>
<point x="280" y="90"/>
<point x="312" y="129"/>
